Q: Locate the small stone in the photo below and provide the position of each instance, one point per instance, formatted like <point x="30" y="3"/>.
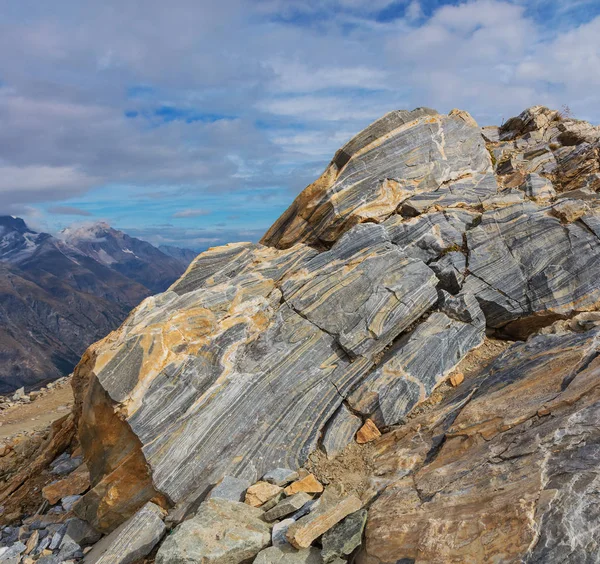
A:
<point x="288" y="555"/>
<point x="69" y="501"/>
<point x="457" y="379"/>
<point x="260" y="493"/>
<point x="32" y="542"/>
<point x="279" y="531"/>
<point x="76" y="483"/>
<point x="221" y="532"/>
<point x="367" y="433"/>
<point x="287" y="506"/>
<point x="308" y="507"/>
<point x="273" y="502"/>
<point x="331" y="510"/>
<point x="345" y="537"/>
<point x="67" y="466"/>
<point x="4" y="449"/>
<point x="280" y="476"/>
<point x="308" y="484"/>
<point x="57" y="538"/>
<point x="230" y="488"/>
<point x="133" y="540"/>
<point x="13" y="552"/>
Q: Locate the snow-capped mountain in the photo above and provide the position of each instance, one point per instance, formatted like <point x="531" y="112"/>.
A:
<point x="60" y="294"/>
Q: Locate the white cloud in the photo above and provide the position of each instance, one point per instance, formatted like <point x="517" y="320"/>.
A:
<point x="190" y="213"/>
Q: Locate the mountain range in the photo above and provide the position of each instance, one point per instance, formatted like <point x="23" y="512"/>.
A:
<point x="60" y="294"/>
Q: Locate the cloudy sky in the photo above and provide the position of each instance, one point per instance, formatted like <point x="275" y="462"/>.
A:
<point x="196" y="122"/>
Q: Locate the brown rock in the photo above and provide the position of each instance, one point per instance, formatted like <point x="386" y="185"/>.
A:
<point x="367" y="433"/>
<point x="457" y="379"/>
<point x="309" y="484"/>
<point x="76" y="483"/>
<point x="32" y="542"/>
<point x="260" y="493"/>
<point x="331" y="510"/>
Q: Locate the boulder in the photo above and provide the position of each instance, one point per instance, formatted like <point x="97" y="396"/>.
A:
<point x="511" y="457"/>
<point x="222" y="532"/>
<point x="132" y="541"/>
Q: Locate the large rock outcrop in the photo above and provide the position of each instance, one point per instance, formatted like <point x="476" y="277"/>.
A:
<point x="359" y="302"/>
<point x="504" y="470"/>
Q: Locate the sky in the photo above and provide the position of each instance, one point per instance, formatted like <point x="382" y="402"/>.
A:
<point x="196" y="122"/>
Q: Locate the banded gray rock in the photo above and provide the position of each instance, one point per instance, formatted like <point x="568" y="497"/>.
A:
<point x="375" y="284"/>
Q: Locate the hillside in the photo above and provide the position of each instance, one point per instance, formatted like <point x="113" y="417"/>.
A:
<point x="57" y="297"/>
<point x="404" y="370"/>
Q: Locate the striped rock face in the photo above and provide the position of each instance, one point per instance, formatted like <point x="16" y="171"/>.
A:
<point x="360" y="300"/>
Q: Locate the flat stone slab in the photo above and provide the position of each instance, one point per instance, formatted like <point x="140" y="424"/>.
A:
<point x="222" y="532"/>
<point x="287" y="506"/>
<point x="231" y="488"/>
<point x="288" y="555"/>
<point x="133" y="540"/>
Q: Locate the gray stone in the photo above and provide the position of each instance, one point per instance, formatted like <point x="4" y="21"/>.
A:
<point x="69" y="501"/>
<point x="133" y="540"/>
<point x="450" y="270"/>
<point x="67" y="466"/>
<point x="359" y="290"/>
<point x="279" y="531"/>
<point x="418" y="362"/>
<point x="287" y="506"/>
<point x="82" y="532"/>
<point x="13" y="551"/>
<point x="525" y="264"/>
<point x="273" y="501"/>
<point x="538" y="188"/>
<point x="230" y="488"/>
<point x="222" y="532"/>
<point x="57" y="537"/>
<point x="340" y="431"/>
<point x="288" y="555"/>
<point x="280" y="476"/>
<point x="401" y="154"/>
<point x="345" y="537"/>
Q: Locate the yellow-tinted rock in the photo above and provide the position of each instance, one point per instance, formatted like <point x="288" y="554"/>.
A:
<point x="308" y="484"/>
<point x="331" y="510"/>
<point x="367" y="433"/>
<point x="260" y="493"/>
<point x="76" y="483"/>
<point x="457" y="379"/>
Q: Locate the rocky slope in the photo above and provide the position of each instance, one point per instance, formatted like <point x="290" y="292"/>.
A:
<point x="56" y="298"/>
<point x="419" y="328"/>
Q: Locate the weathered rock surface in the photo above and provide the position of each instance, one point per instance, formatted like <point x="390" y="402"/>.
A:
<point x="132" y="540"/>
<point x="222" y="532"/>
<point x="345" y="537"/>
<point x="511" y="457"/>
<point x="380" y="280"/>
<point x="289" y="555"/>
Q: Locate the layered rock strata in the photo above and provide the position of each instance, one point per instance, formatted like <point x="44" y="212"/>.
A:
<point x="358" y="303"/>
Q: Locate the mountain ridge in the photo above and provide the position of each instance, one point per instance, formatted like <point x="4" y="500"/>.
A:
<point x="58" y="297"/>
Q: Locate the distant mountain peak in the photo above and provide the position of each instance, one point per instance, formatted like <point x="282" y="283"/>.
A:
<point x="11" y="223"/>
